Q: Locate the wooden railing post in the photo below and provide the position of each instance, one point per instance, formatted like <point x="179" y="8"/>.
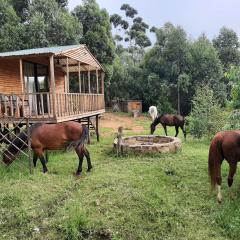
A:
<point x="79" y="77"/>
<point x="53" y="84"/>
<point x="67" y="74"/>
<point x="102" y="81"/>
<point x="97" y="80"/>
<point x="89" y="78"/>
<point x="21" y="74"/>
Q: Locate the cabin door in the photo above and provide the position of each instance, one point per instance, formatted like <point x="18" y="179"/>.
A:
<point x="36" y="82"/>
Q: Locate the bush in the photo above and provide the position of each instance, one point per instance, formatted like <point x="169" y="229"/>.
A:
<point x="233" y="122"/>
<point x="206" y="117"/>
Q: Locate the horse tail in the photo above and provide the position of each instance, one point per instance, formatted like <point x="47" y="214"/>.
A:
<point x="215" y="158"/>
<point x="81" y="141"/>
<point x="84" y="137"/>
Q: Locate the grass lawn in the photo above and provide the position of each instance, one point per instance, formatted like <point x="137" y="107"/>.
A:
<point x="129" y="197"/>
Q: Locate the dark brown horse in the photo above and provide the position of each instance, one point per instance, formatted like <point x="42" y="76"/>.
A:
<point x="51" y="137"/>
<point x="169" y="120"/>
<point x="225" y="145"/>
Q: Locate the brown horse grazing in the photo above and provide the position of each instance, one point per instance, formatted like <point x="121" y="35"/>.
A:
<point x="169" y="120"/>
<point x="225" y="145"/>
<point x="51" y="137"/>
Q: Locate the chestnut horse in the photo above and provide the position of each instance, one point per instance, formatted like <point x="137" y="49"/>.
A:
<point x="169" y="120"/>
<point x="225" y="145"/>
<point x="51" y="137"/>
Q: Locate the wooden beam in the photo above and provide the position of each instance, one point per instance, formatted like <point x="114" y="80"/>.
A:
<point x="21" y="74"/>
<point x="79" y="77"/>
<point x="89" y="79"/>
<point x="102" y="82"/>
<point x="97" y="81"/>
<point x="53" y="84"/>
<point x="84" y="90"/>
<point x="67" y="75"/>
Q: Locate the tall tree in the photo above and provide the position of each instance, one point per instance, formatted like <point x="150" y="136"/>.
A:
<point x="11" y="30"/>
<point x="49" y="24"/>
<point x="133" y="32"/>
<point x="21" y="8"/>
<point x="227" y="45"/>
<point x="62" y="3"/>
<point x="96" y="30"/>
<point x="170" y="59"/>
<point x="206" y="67"/>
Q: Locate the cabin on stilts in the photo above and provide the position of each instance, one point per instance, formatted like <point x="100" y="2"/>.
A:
<point x="52" y="85"/>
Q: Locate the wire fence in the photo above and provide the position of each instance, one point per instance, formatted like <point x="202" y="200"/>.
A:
<point x="15" y="142"/>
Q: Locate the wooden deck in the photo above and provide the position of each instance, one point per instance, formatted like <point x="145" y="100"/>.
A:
<point x="51" y="108"/>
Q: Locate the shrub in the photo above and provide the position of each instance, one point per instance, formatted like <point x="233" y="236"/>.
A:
<point x="206" y="117"/>
<point x="233" y="121"/>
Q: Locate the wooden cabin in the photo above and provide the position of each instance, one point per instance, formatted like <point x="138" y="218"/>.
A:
<point x="53" y="84"/>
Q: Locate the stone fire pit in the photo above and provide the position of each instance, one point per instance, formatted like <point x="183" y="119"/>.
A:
<point x="151" y="144"/>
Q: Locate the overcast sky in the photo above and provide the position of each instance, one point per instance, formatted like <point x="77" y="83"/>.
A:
<point x="195" y="16"/>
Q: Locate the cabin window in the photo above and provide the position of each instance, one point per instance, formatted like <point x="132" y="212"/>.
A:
<point x="35" y="77"/>
<point x="36" y="82"/>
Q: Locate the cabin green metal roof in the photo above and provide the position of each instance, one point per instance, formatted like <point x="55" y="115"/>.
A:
<point x="46" y="50"/>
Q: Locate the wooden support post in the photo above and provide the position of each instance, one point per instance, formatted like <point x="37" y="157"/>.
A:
<point x="88" y="124"/>
<point x="84" y="90"/>
<point x="79" y="77"/>
<point x="102" y="82"/>
<point x="21" y="74"/>
<point x="67" y="75"/>
<point x="97" y="129"/>
<point x="53" y="85"/>
<point x="29" y="147"/>
<point x="97" y="81"/>
<point x="89" y="79"/>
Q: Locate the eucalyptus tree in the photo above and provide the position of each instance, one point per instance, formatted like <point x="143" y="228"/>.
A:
<point x="133" y="31"/>
<point x="227" y="46"/>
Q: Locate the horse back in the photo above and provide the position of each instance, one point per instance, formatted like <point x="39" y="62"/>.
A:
<point x="55" y="136"/>
<point x="172" y="120"/>
<point x="230" y="144"/>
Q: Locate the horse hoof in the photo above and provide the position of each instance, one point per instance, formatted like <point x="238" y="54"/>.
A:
<point x="78" y="174"/>
<point x="219" y="200"/>
<point x="89" y="169"/>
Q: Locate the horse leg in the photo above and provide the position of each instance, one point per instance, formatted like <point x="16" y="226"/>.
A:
<point x="80" y="154"/>
<point x="176" y="127"/>
<point x="46" y="156"/>
<point x="184" y="132"/>
<point x="87" y="155"/>
<point x="232" y="171"/>
<point x="35" y="158"/>
<point x="165" y="128"/>
<point x="219" y="183"/>
<point x="40" y="153"/>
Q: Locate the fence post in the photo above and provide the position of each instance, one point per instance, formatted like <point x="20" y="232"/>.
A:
<point x="29" y="147"/>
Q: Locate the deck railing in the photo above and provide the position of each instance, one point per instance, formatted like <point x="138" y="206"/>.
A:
<point x="46" y="105"/>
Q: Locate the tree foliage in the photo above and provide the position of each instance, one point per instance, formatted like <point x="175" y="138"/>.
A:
<point x="206" y="117"/>
<point x="227" y="45"/>
<point x="96" y="30"/>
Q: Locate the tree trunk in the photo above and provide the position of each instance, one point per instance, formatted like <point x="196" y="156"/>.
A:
<point x="178" y="93"/>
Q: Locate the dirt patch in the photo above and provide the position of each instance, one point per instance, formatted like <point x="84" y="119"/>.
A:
<point x="113" y="121"/>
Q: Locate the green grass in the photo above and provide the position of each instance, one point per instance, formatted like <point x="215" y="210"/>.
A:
<point x="129" y="197"/>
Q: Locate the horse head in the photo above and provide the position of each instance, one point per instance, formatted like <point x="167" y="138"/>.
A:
<point x="8" y="158"/>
